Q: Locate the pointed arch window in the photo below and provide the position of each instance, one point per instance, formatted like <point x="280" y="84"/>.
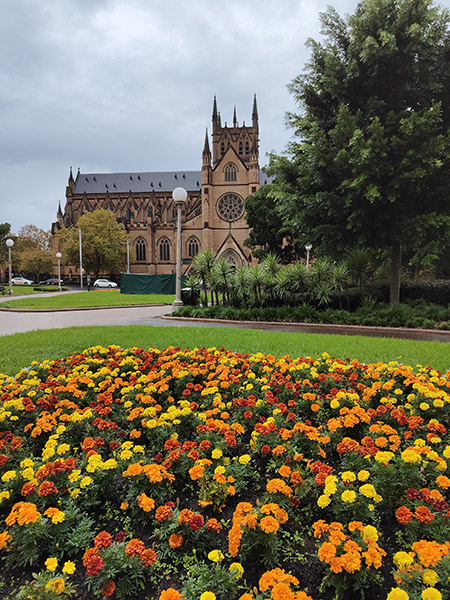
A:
<point x="192" y="247"/>
<point x="247" y="148"/>
<point x="141" y="250"/>
<point x="241" y="149"/>
<point x="222" y="148"/>
<point x="164" y="250"/>
<point x="230" y="172"/>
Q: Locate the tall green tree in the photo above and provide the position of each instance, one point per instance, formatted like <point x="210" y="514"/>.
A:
<point x="33" y="252"/>
<point x="5" y="233"/>
<point x="370" y="159"/>
<point x="103" y="243"/>
<point x="267" y="232"/>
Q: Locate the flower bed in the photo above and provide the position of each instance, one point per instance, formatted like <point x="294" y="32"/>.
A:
<point x="207" y="474"/>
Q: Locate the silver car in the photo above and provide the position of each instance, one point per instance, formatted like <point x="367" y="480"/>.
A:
<point x="104" y="283"/>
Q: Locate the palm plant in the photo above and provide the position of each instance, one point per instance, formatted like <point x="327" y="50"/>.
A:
<point x="256" y="282"/>
<point x="340" y="278"/>
<point x="239" y="285"/>
<point x="201" y="267"/>
<point x="220" y="278"/>
<point x="360" y="265"/>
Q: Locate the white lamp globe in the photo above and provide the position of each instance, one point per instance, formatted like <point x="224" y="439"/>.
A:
<point x="179" y="195"/>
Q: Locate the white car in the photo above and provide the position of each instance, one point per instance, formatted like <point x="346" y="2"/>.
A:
<point x="21" y="281"/>
<point x="104" y="283"/>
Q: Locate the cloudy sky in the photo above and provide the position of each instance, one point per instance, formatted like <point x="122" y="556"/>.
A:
<point x="128" y="85"/>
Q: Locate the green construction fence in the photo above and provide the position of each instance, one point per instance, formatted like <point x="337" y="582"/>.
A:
<point x="131" y="283"/>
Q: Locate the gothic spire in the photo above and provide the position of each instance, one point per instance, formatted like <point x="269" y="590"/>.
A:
<point x="235" y="117"/>
<point x="206" y="150"/>
<point x="255" y="112"/>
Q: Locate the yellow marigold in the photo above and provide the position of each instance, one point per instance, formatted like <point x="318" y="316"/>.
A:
<point x="56" y="585"/>
<point x="244" y="459"/>
<point x="410" y="456"/>
<point x="323" y="501"/>
<point x="431" y="594"/>
<point x="208" y="596"/>
<point x="369" y="532"/>
<point x="402" y="559"/>
<point x="69" y="567"/>
<point x="384" y="457"/>
<point x="51" y="564"/>
<point x="216" y="556"/>
<point x="348" y="477"/>
<point x="397" y="594"/>
<point x="216" y="453"/>
<point x="348" y="496"/>
<point x="363" y="475"/>
<point x="430" y="577"/>
<point x="237" y="569"/>
<point x="368" y="490"/>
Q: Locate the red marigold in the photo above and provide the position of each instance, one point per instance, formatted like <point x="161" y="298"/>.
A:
<point x="148" y="557"/>
<point x="265" y="449"/>
<point x="46" y="488"/>
<point x="95" y="565"/>
<point x="28" y="488"/>
<point x="196" y="522"/>
<point x="103" y="539"/>
<point x="109" y="589"/>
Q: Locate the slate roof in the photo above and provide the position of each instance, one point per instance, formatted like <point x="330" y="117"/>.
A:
<point x="99" y="183"/>
<point x="123" y="183"/>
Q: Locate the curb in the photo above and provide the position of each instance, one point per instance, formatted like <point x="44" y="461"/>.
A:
<point x="80" y="308"/>
<point x="365" y="330"/>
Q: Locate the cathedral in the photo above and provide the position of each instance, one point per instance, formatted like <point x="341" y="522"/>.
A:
<point x="213" y="216"/>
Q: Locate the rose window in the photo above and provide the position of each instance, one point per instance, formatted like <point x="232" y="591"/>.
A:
<point x="230" y="207"/>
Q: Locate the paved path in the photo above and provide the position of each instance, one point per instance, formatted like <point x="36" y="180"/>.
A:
<point x="20" y="321"/>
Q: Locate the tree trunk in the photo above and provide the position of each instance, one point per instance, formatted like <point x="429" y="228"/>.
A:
<point x="396" y="267"/>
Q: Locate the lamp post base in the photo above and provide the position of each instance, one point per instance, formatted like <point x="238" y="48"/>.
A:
<point x="177" y="303"/>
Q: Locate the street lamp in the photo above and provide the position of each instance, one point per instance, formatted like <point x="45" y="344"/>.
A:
<point x="179" y="196"/>
<point x="10" y="244"/>
<point x="58" y="256"/>
<point x="308" y="249"/>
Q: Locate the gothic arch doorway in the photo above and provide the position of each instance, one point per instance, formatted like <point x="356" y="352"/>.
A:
<point x="232" y="257"/>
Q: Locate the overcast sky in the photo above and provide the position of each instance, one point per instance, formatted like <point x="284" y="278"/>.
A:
<point x="128" y="85"/>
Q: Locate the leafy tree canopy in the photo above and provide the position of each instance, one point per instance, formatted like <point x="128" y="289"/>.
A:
<point x="267" y="233"/>
<point x="103" y="243"/>
<point x="370" y="159"/>
<point x="32" y="251"/>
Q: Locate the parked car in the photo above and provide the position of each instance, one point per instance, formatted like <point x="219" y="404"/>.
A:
<point x="104" y="283"/>
<point x="51" y="281"/>
<point x="21" y="281"/>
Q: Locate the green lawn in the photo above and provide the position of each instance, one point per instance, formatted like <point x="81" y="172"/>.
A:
<point x="89" y="299"/>
<point x="20" y="349"/>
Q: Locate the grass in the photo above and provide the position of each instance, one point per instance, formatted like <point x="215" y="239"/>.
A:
<point x="20" y="349"/>
<point x="89" y="299"/>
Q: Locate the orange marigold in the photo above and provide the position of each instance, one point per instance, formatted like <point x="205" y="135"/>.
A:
<point x="148" y="557"/>
<point x="103" y="539"/>
<point x="175" y="540"/>
<point x="4" y="539"/>
<point x="163" y="513"/>
<point x="170" y="594"/>
<point x="145" y="502"/>
<point x="270" y="578"/>
<point x="134" y="547"/>
<point x="23" y="513"/>
<point x="269" y="524"/>
<point x="278" y="485"/>
<point x="430" y="553"/>
<point x="404" y="515"/>
<point x="326" y="552"/>
<point x="423" y="514"/>
<point x="109" y="589"/>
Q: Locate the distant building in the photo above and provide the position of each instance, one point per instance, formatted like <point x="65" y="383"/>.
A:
<point x="213" y="216"/>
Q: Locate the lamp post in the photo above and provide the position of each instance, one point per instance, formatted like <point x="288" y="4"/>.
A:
<point x="179" y="196"/>
<point x="128" y="256"/>
<point x="308" y="249"/>
<point x="81" y="259"/>
<point x="58" y="256"/>
<point x="10" y="244"/>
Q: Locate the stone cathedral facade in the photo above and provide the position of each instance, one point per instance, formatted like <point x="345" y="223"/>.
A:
<point x="213" y="216"/>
